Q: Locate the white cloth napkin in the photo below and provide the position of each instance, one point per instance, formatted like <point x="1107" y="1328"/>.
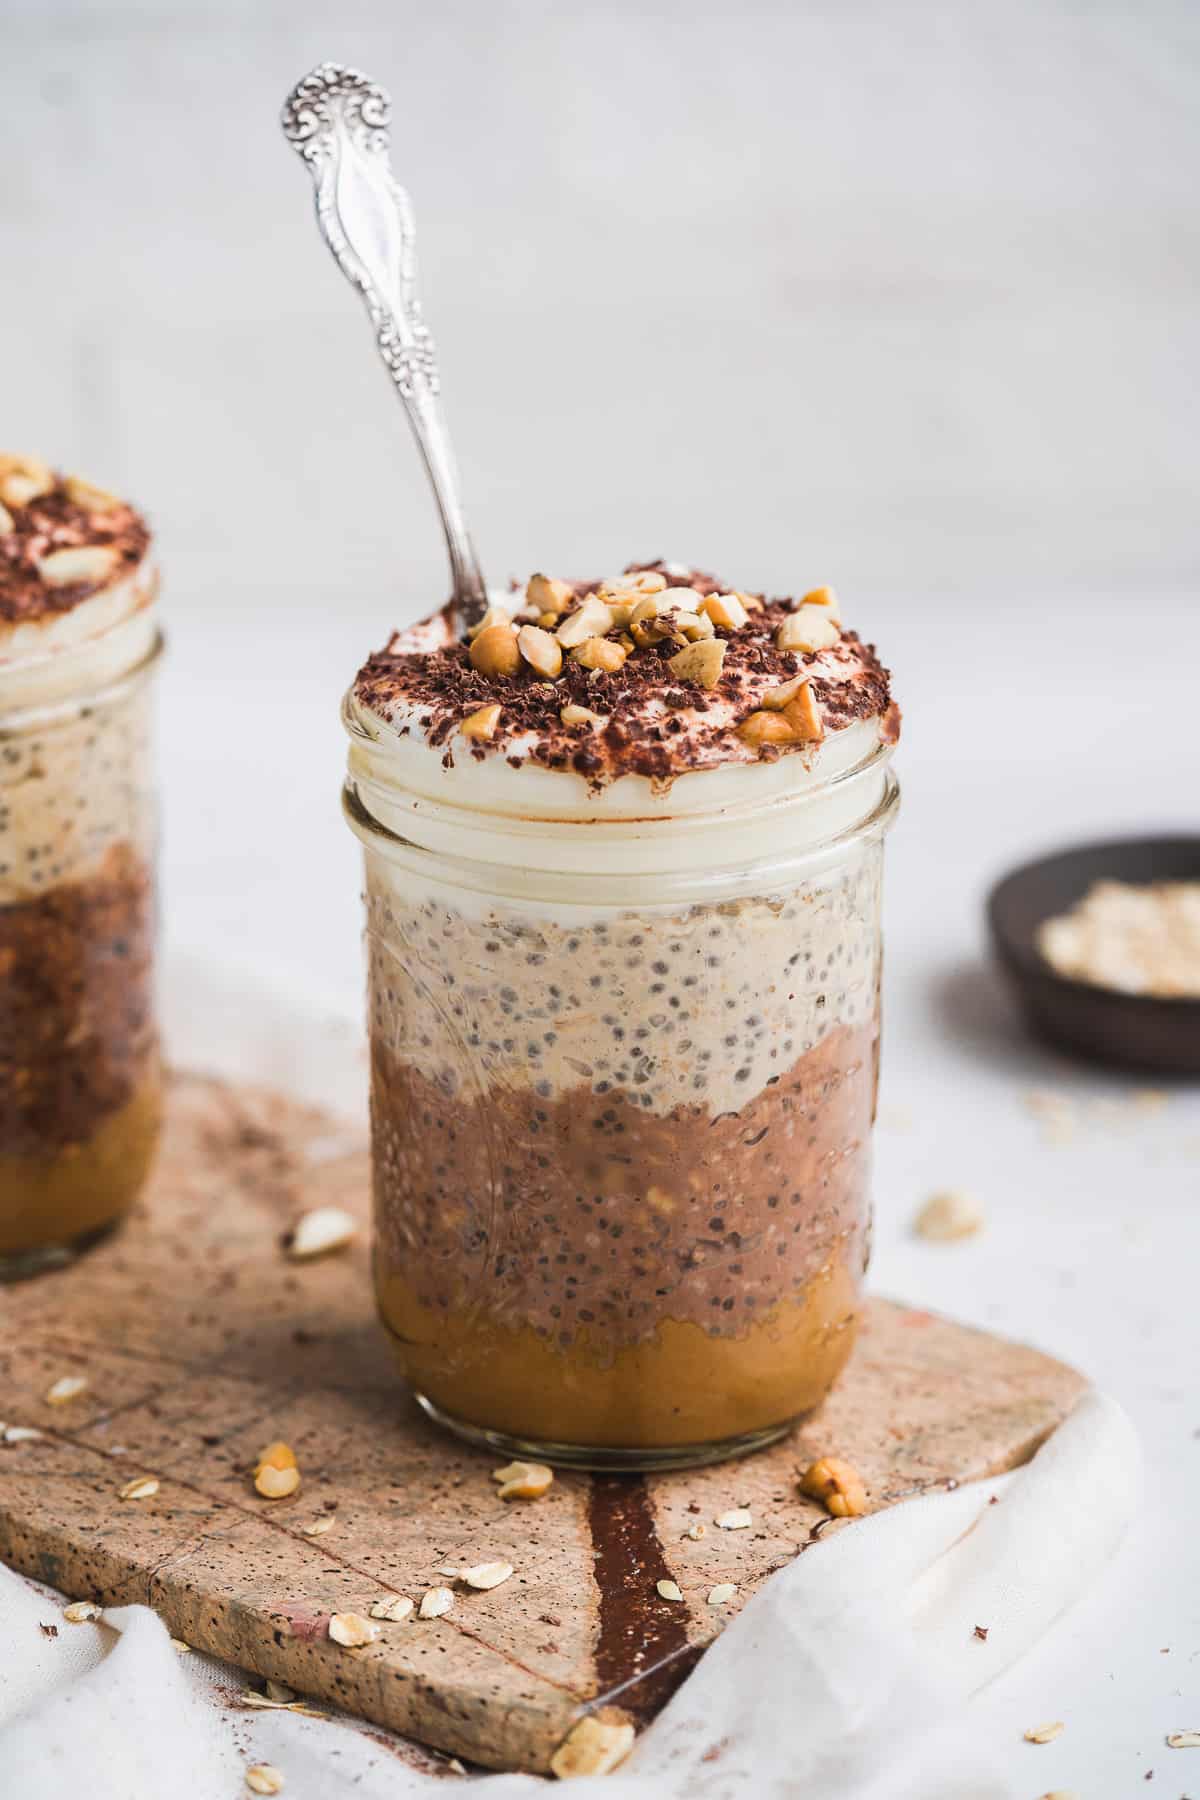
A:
<point x="848" y="1675"/>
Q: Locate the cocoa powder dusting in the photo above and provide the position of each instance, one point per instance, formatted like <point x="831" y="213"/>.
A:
<point x="57" y="522"/>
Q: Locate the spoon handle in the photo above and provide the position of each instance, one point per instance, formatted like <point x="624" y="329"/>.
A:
<point x="337" y="121"/>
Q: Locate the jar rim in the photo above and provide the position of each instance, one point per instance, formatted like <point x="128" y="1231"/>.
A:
<point x="562" y="884"/>
<point x="59" y="701"/>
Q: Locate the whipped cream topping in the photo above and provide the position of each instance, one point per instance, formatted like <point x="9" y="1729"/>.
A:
<point x="74" y="560"/>
<point x="648" y="721"/>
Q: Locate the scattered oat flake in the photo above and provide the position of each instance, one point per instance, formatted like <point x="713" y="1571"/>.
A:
<point x="22" y="1434"/>
<point x="320" y="1231"/>
<point x="437" y="1601"/>
<point x="317" y="1527"/>
<point x="67" y="1387"/>
<point x="593" y="1747"/>
<point x="351" y="1630"/>
<point x="277" y="1690"/>
<point x="394" y="1608"/>
<point x="948" y="1216"/>
<point x="179" y="1645"/>
<point x="252" y="1698"/>
<point x="523" y="1481"/>
<point x="738" y="1518"/>
<point x="142" y="1487"/>
<point x="81" y="1612"/>
<point x="487" y="1575"/>
<point x="264" y="1778"/>
<point x="1184" y="1740"/>
<point x="722" y="1594"/>
<point x="276" y="1484"/>
<point x="1045" y="1734"/>
<point x="668" y="1590"/>
<point x="458" y="1767"/>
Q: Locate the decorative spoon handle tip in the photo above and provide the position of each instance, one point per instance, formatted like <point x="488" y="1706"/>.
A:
<point x="337" y="121"/>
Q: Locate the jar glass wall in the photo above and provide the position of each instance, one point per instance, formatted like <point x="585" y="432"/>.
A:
<point x="80" y="1085"/>
<point x="621" y="1123"/>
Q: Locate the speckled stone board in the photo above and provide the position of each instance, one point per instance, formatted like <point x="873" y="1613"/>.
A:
<point x="201" y="1341"/>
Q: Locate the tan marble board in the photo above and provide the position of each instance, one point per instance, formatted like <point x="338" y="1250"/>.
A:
<point x="201" y="1341"/>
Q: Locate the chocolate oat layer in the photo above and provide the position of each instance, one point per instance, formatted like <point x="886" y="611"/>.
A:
<point x="656" y="672"/>
<point x="590" y="1221"/>
<point x="77" y="1034"/>
<point x="62" y="540"/>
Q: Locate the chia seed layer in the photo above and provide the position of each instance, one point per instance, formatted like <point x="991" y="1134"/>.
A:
<point x="71" y="791"/>
<point x="708" y="1006"/>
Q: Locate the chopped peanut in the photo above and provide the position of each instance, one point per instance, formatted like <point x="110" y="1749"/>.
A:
<point x="824" y="596"/>
<point x="482" y="724"/>
<point x="592" y="619"/>
<point x="540" y="651"/>
<point x="494" y="652"/>
<point x="600" y="653"/>
<point x="766" y="728"/>
<point x="549" y="595"/>
<point x="777" y="698"/>
<point x="809" y="628"/>
<point x="724" y="609"/>
<point x="495" y="615"/>
<point x="87" y="562"/>
<point x="836" y="1485"/>
<point x="804" y="716"/>
<point x="700" y="662"/>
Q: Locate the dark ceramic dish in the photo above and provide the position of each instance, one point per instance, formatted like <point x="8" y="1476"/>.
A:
<point x="1133" y="1031"/>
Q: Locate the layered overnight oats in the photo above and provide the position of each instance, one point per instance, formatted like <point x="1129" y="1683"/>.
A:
<point x="623" y="867"/>
<point x="79" y="1074"/>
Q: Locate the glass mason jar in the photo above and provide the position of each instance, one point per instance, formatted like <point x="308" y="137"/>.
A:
<point x="623" y="1077"/>
<point x="80" y="1085"/>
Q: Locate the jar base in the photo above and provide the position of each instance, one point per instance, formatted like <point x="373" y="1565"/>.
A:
<point x="24" y="1265"/>
<point x="605" y="1458"/>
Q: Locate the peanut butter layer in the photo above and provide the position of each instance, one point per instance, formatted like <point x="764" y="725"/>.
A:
<point x="63" y="1194"/>
<point x="681" y="1387"/>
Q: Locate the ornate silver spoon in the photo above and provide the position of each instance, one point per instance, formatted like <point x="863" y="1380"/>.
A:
<point x="337" y="121"/>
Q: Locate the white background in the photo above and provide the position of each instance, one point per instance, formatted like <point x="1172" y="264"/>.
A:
<point x="901" y="297"/>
